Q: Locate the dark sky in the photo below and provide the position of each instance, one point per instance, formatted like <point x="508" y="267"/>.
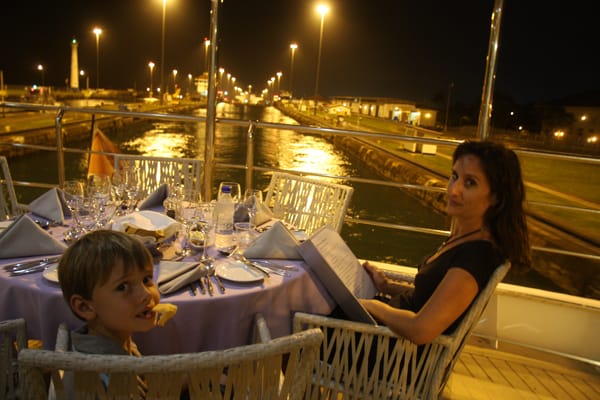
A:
<point x="393" y="48"/>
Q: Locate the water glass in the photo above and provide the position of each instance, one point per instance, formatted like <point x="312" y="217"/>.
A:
<point x="244" y="234"/>
<point x="73" y="191"/>
<point x="252" y="201"/>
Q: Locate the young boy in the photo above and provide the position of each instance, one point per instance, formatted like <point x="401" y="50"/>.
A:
<point x="107" y="279"/>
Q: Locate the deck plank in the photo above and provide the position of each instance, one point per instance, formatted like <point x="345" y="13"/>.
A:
<point x="589" y="387"/>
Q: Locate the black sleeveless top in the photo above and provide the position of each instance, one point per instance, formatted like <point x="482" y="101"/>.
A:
<point x="479" y="258"/>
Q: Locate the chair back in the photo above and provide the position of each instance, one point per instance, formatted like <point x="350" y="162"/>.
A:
<point x="365" y="361"/>
<point x="9" y="206"/>
<point x="253" y="371"/>
<point x="154" y="171"/>
<point x="306" y="203"/>
<point x="13" y="337"/>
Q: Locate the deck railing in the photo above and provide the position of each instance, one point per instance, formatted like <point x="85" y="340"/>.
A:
<point x="250" y="168"/>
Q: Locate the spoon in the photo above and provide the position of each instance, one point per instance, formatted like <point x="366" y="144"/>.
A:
<point x="210" y="271"/>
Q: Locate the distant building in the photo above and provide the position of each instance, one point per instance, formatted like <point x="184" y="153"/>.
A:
<point x="388" y="108"/>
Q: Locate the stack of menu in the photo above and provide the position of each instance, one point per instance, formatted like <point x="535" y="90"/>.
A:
<point x="332" y="261"/>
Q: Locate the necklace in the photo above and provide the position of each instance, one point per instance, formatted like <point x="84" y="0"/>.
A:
<point x="454" y="239"/>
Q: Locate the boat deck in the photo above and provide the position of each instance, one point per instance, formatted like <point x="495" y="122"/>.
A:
<point x="515" y="373"/>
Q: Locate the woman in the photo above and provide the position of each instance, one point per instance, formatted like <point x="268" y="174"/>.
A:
<point x="485" y="203"/>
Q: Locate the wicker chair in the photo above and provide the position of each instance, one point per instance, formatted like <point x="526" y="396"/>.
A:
<point x="154" y="171"/>
<point x="13" y="337"/>
<point x="410" y="371"/>
<point x="9" y="206"/>
<point x="306" y="203"/>
<point x="253" y="371"/>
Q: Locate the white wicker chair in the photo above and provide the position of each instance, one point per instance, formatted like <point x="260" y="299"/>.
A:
<point x="253" y="371"/>
<point x="411" y="371"/>
<point x="154" y="171"/>
<point x="307" y="203"/>
<point x="13" y="337"/>
<point x="9" y="206"/>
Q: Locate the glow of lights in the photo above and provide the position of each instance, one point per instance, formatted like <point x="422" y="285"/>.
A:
<point x="559" y="134"/>
<point x="583" y="117"/>
<point x="592" y="139"/>
<point x="427" y="115"/>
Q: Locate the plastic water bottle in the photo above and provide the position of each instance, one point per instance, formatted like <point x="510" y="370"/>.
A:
<point x="224" y="238"/>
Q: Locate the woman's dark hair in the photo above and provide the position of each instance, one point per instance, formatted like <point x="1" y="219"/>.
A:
<point x="506" y="218"/>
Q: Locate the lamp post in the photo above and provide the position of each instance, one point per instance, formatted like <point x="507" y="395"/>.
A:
<point x="40" y="68"/>
<point x="151" y="65"/>
<point x="174" y="81"/>
<point x="190" y="84"/>
<point x="279" y="83"/>
<point x="162" y="51"/>
<point x="87" y="79"/>
<point x="206" y="46"/>
<point x="321" y="9"/>
<point x="448" y="106"/>
<point x="97" y="31"/>
<point x="293" y="48"/>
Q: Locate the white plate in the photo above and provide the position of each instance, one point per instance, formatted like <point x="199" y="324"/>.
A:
<point x="51" y="273"/>
<point x="236" y="271"/>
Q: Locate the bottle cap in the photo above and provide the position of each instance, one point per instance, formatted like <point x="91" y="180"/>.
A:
<point x="226" y="189"/>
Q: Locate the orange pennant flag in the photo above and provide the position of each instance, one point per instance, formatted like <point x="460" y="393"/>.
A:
<point x="102" y="164"/>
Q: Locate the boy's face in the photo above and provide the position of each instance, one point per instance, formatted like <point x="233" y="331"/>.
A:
<point x="123" y="305"/>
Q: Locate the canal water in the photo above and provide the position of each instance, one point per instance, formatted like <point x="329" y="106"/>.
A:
<point x="278" y="149"/>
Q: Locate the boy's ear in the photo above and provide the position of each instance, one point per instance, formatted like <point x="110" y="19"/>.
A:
<point x="82" y="307"/>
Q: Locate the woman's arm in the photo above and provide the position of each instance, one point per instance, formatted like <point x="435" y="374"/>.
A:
<point x="449" y="300"/>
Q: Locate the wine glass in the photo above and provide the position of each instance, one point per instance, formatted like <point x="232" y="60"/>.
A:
<point x="252" y="200"/>
<point x="132" y="187"/>
<point x="73" y="191"/>
<point x="188" y="217"/>
<point x="236" y="193"/>
<point x="99" y="195"/>
<point x="205" y="222"/>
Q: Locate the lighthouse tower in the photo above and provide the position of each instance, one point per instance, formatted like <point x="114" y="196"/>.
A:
<point x="74" y="66"/>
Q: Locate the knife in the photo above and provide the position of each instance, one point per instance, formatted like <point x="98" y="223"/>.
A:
<point x="31" y="270"/>
<point x="21" y="265"/>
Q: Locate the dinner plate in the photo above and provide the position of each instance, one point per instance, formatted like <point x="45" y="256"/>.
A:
<point x="236" y="271"/>
<point x="51" y="273"/>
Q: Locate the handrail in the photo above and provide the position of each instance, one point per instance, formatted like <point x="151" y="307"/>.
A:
<point x="250" y="168"/>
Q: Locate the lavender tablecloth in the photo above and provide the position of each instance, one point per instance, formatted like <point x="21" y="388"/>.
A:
<point x="202" y="322"/>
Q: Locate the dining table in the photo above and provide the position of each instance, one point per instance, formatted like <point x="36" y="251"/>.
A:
<point x="203" y="321"/>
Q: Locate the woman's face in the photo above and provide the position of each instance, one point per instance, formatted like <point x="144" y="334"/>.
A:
<point x="469" y="194"/>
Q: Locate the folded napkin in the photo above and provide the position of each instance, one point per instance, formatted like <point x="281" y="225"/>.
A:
<point x="25" y="238"/>
<point x="156" y="198"/>
<point x="277" y="242"/>
<point x="50" y="206"/>
<point x="263" y="214"/>
<point x="147" y="223"/>
<point x="173" y="275"/>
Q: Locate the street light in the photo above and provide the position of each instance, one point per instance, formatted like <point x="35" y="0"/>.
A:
<point x="174" y="81"/>
<point x="206" y="46"/>
<point x="162" y="50"/>
<point x="279" y="83"/>
<point x="40" y="68"/>
<point x="87" y="79"/>
<point x="293" y="48"/>
<point x="97" y="31"/>
<point x="321" y="9"/>
<point x="151" y="65"/>
<point x="190" y="83"/>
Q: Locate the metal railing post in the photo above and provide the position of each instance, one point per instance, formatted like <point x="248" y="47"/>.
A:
<point x="60" y="152"/>
<point x="211" y="105"/>
<point x="250" y="155"/>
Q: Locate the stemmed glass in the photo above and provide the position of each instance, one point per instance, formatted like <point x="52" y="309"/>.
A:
<point x="205" y="222"/>
<point x="132" y="187"/>
<point x="99" y="195"/>
<point x="252" y="200"/>
<point x="74" y="192"/>
<point x="188" y="216"/>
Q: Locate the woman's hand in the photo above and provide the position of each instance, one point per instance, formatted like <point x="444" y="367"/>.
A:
<point x="378" y="277"/>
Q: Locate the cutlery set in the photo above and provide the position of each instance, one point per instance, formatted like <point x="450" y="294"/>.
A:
<point x="28" y="267"/>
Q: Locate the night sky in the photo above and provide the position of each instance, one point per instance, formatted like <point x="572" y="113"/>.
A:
<point x="390" y="48"/>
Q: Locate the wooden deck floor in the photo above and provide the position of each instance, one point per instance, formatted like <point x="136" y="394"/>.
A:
<point x="482" y="373"/>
